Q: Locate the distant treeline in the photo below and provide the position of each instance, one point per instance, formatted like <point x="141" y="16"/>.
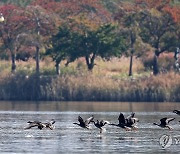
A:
<point x="69" y="30"/>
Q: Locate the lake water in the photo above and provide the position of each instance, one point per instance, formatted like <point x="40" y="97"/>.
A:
<point x="69" y="138"/>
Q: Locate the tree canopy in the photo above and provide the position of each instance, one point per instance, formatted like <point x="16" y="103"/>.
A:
<point x="69" y="29"/>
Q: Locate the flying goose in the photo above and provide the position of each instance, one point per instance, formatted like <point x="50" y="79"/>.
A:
<point x="122" y="122"/>
<point x="41" y="125"/>
<point x="164" y="123"/>
<point x="100" y="124"/>
<point x="126" y="123"/>
<point x="84" y="124"/>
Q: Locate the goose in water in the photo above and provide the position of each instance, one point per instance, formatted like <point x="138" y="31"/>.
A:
<point x="165" y="123"/>
<point x="100" y="124"/>
<point x="177" y="112"/>
<point x="41" y="125"/>
<point x="84" y="124"/>
<point x="126" y="123"/>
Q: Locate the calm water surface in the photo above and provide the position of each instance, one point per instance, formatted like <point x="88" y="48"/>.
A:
<point x="69" y="138"/>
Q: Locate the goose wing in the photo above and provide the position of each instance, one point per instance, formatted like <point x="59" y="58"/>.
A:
<point x="48" y="125"/>
<point x="52" y="122"/>
<point x="121" y="119"/>
<point x="169" y="119"/>
<point x="103" y="122"/>
<point x="131" y="115"/>
<point x="32" y="124"/>
<point x="90" y="119"/>
<point x="81" y="121"/>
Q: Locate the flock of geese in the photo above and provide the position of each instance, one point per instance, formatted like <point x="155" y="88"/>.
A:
<point x="128" y="123"/>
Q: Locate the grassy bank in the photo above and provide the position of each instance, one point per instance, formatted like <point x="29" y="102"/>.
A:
<point x="109" y="81"/>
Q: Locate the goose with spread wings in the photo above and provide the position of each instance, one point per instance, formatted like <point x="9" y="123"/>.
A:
<point x="101" y="124"/>
<point x="84" y="124"/>
<point x="127" y="123"/>
<point x="164" y="123"/>
<point x="41" y="125"/>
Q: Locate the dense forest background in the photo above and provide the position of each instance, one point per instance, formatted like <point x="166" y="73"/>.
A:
<point x="100" y="50"/>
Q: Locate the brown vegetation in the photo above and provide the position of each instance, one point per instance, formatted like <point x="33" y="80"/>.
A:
<point x="110" y="83"/>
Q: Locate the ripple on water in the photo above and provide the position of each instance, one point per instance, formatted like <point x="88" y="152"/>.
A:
<point x="69" y="138"/>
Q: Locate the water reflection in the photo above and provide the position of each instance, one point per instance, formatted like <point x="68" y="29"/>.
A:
<point x="89" y="106"/>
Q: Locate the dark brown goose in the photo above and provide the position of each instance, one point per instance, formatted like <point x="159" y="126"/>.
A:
<point x="84" y="124"/>
<point x="41" y="125"/>
<point x="122" y="122"/>
<point x="100" y="124"/>
<point x="126" y="123"/>
<point x="165" y="123"/>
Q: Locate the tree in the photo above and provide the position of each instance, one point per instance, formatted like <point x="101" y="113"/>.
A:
<point x="104" y="42"/>
<point x="41" y="26"/>
<point x="174" y="11"/>
<point x="83" y="18"/>
<point x="64" y="45"/>
<point x="158" y="22"/>
<point x="158" y="30"/>
<point x="12" y="26"/>
<point x="127" y="19"/>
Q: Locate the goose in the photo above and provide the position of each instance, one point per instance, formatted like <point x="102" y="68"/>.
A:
<point x="164" y="123"/>
<point x="41" y="125"/>
<point x="100" y="124"/>
<point x="122" y="122"/>
<point x="84" y="124"/>
<point x="176" y="111"/>
<point x="126" y="123"/>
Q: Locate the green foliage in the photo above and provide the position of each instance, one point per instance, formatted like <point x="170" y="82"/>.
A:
<point x="157" y="30"/>
<point x="107" y="41"/>
<point x="22" y="3"/>
<point x="104" y="42"/>
<point x="64" y="45"/>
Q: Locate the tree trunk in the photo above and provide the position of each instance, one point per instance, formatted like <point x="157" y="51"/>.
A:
<point x="37" y="60"/>
<point x="58" y="70"/>
<point x="90" y="62"/>
<point x="155" y="65"/>
<point x="13" y="60"/>
<point x="130" y="65"/>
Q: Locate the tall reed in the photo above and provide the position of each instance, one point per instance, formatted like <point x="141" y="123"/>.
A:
<point x="105" y="83"/>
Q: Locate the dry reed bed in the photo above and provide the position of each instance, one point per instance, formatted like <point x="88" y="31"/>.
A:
<point x="109" y="81"/>
<point x="164" y="87"/>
